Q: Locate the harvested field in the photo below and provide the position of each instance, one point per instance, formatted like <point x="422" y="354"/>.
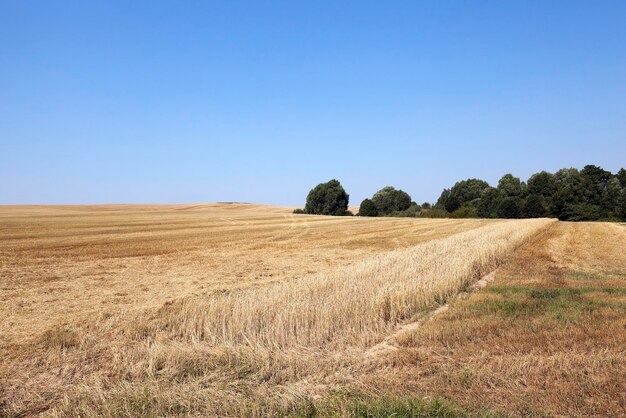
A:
<point x="547" y="337"/>
<point x="216" y="309"/>
<point x="62" y="264"/>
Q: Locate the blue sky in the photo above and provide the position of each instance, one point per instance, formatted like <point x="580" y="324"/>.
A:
<point x="165" y="102"/>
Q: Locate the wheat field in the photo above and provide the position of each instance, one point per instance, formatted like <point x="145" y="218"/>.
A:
<point x="216" y="309"/>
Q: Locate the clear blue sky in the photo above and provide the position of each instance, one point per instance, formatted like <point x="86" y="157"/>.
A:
<point x="128" y="101"/>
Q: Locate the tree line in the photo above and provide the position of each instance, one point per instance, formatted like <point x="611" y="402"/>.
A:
<point x="569" y="194"/>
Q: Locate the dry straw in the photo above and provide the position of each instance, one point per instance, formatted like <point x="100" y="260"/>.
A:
<point x="352" y="306"/>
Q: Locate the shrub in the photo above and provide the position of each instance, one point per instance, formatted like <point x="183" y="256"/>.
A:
<point x="299" y="211"/>
<point x="412" y="211"/>
<point x="465" y="212"/>
<point x="327" y="199"/>
<point x="433" y="213"/>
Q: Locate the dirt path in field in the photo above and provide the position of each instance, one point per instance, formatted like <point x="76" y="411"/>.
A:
<point x="389" y="344"/>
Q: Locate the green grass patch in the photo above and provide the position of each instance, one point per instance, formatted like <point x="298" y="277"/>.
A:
<point x="352" y="405"/>
<point x="554" y="293"/>
<point x="563" y="304"/>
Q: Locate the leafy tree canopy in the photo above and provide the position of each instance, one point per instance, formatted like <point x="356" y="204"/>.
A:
<point x="569" y="194"/>
<point x="595" y="183"/>
<point x="621" y="176"/>
<point x="443" y="198"/>
<point x="534" y="207"/>
<point x="368" y="208"/>
<point x="541" y="184"/>
<point x="487" y="207"/>
<point x="510" y="186"/>
<point x="389" y="200"/>
<point x="464" y="192"/>
<point x="509" y="208"/>
<point x="327" y="199"/>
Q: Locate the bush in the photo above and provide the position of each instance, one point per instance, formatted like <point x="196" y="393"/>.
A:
<point x="368" y="208"/>
<point x="412" y="211"/>
<point x="327" y="199"/>
<point x="298" y="211"/>
<point x="464" y="212"/>
<point x="433" y="213"/>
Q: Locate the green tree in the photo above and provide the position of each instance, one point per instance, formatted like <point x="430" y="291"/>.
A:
<point x="464" y="192"/>
<point x="612" y="200"/>
<point x="621" y="176"/>
<point x="368" y="208"/>
<point x="622" y="205"/>
<point x="443" y="198"/>
<point x="595" y="184"/>
<point x="569" y="191"/>
<point x="541" y="184"/>
<point x="389" y="200"/>
<point x="581" y="212"/>
<point x="534" y="207"/>
<point x="487" y="206"/>
<point x="510" y="186"/>
<point x="327" y="199"/>
<point x="509" y="208"/>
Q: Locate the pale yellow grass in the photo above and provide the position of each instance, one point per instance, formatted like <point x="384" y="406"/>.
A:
<point x="224" y="309"/>
<point x="63" y="264"/>
<point x="353" y="305"/>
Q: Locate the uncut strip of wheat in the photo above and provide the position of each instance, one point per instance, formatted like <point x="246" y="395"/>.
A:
<point x="353" y="305"/>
